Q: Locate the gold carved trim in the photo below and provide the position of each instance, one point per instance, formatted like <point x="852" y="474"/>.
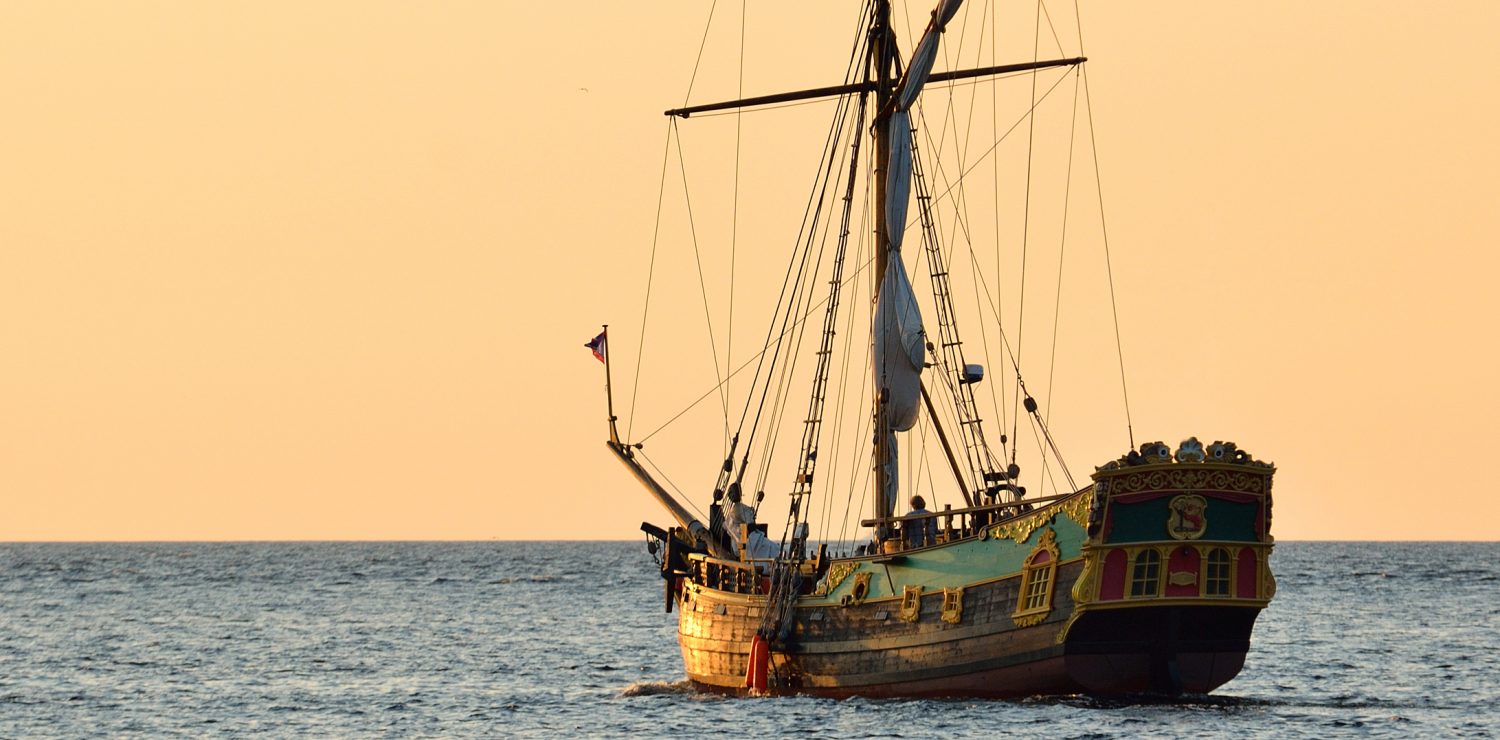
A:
<point x="1197" y="477"/>
<point x="1077" y="509"/>
<point x="1182" y="578"/>
<point x="836" y="575"/>
<point x="1019" y="530"/>
<point x="1062" y="634"/>
<point x="1029" y="620"/>
<point x="953" y="605"/>
<point x="1047" y="542"/>
<point x="911" y="603"/>
<point x="1174" y="601"/>
<point x="861" y="590"/>
<point x="1086" y="588"/>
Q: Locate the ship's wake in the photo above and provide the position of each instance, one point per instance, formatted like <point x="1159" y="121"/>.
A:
<point x="684" y="688"/>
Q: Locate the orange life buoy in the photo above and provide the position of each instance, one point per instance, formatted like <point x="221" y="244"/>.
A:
<point x="756" y="673"/>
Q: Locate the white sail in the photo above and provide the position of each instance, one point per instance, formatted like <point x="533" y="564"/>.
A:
<point x="897" y="182"/>
<point x="900" y="348"/>
<point x="900" y="351"/>
<point x="900" y="344"/>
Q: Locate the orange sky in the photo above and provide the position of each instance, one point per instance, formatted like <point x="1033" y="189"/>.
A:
<point x="323" y="271"/>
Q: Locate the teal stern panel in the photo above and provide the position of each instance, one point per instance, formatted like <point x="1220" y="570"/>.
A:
<point x="1148" y="520"/>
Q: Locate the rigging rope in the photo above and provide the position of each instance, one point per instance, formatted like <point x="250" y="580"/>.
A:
<point x="688" y="499"/>
<point x="640" y="351"/>
<point x="708" y="318"/>
<point x="656" y="233"/>
<point x="734" y="219"/>
<point x="984" y="461"/>
<point x="703" y="44"/>
<point x="801" y="294"/>
<point x="995" y="186"/>
<point x="1108" y="262"/>
<point x="867" y="263"/>
<point x="1103" y="227"/>
<point x="808" y="227"/>
<point x="1026" y="224"/>
<point x="1062" y="250"/>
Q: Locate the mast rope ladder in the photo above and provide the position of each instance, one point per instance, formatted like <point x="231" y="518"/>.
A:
<point x="981" y="461"/>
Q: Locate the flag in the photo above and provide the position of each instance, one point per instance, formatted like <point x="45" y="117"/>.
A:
<point x="597" y="345"/>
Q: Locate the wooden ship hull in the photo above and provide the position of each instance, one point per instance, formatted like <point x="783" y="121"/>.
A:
<point x="1118" y="602"/>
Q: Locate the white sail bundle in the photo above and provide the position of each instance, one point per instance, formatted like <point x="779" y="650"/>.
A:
<point x="900" y="342"/>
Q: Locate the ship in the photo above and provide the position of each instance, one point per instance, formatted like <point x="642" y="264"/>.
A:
<point x="1146" y="577"/>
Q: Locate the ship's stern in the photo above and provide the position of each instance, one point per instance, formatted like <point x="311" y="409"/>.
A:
<point x="1177" y="570"/>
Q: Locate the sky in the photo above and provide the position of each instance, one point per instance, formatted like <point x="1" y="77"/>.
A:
<point x="325" y="270"/>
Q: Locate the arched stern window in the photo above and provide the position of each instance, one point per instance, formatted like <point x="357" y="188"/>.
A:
<point x="1216" y="573"/>
<point x="1145" y="576"/>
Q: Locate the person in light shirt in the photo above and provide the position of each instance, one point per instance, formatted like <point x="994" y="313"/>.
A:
<point x="919" y="532"/>
<point x="756" y="546"/>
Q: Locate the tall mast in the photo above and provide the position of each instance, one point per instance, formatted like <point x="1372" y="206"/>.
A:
<point x="898" y="348"/>
<point x="883" y="57"/>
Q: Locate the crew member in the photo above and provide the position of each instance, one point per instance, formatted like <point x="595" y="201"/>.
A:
<point x="919" y="532"/>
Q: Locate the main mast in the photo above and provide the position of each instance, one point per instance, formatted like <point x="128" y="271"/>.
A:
<point x="897" y="334"/>
<point x="883" y="60"/>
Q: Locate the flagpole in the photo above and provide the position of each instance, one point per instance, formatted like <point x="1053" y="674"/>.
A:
<point x="609" y="393"/>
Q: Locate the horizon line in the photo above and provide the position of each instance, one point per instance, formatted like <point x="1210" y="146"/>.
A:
<point x="4" y="542"/>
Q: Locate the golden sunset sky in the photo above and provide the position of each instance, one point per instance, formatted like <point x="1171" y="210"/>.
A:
<point x="324" y="270"/>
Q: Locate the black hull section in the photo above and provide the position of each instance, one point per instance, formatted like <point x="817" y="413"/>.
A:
<point x="1158" y="649"/>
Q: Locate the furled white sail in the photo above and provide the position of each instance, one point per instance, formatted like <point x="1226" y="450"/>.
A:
<point x="898" y="182"/>
<point x="900" y="348"/>
<point x="900" y="345"/>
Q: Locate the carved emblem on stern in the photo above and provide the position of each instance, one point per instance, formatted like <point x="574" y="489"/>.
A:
<point x="1189" y="518"/>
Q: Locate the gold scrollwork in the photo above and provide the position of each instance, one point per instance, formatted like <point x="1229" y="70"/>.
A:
<point x="1062" y="634"/>
<point x="860" y="591"/>
<point x="1029" y="620"/>
<point x="1077" y="509"/>
<point x="836" y="575"/>
<point x="1196" y="477"/>
<point x="1086" y="586"/>
<point x="1048" y="542"/>
<point x="1019" y="530"/>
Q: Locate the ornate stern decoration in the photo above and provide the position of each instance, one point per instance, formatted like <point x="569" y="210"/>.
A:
<point x="1188" y="452"/>
<point x="1188" y="520"/>
<point x="1192" y="468"/>
<point x="1203" y="513"/>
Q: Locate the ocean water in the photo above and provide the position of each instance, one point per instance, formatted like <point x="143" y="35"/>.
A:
<point x="498" y="639"/>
